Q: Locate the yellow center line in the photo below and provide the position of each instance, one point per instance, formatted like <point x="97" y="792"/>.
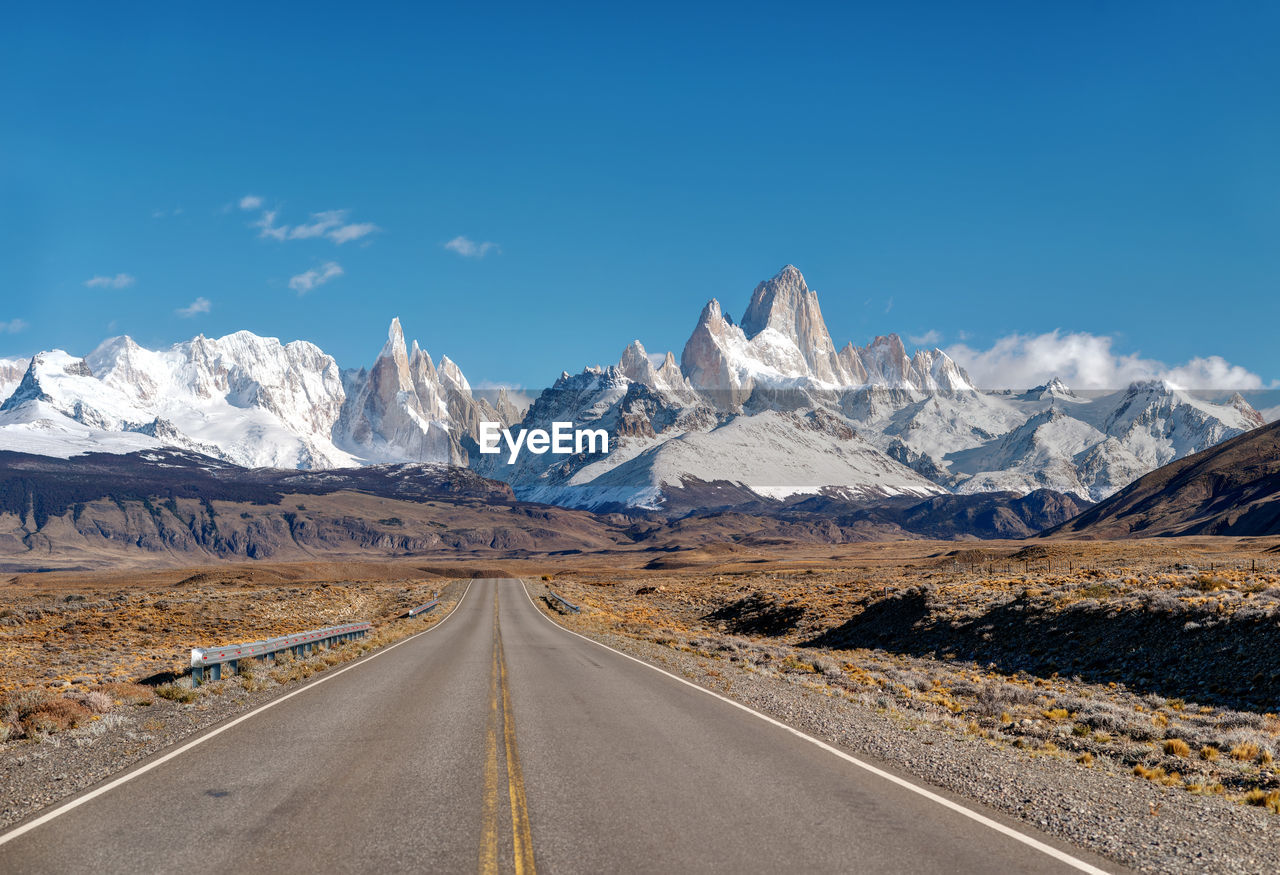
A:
<point x="521" y="835"/>
<point x="520" y="832"/>
<point x="488" y="864"/>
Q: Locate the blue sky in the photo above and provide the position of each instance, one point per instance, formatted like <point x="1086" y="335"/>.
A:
<point x="959" y="173"/>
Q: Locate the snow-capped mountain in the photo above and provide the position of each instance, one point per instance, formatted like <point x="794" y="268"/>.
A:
<point x="770" y="407"/>
<point x="245" y="399"/>
<point x="11" y="371"/>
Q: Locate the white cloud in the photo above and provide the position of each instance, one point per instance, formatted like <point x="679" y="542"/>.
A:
<point x="468" y="248"/>
<point x="251" y="202"/>
<point x="931" y="337"/>
<point x="199" y="305"/>
<point x="166" y="214"/>
<point x="308" y="280"/>
<point x="13" y="326"/>
<point x="1088" y="362"/>
<point x="353" y="231"/>
<point x="331" y="224"/>
<point x="1270" y="414"/>
<point x="119" y="281"/>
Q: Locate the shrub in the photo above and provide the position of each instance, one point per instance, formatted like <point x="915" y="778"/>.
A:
<point x="1244" y="751"/>
<point x="1085" y="759"/>
<point x="1209" y="753"/>
<point x="1177" y="747"/>
<point x="128" y="694"/>
<point x="55" y="715"/>
<point x="175" y="692"/>
<point x="1211" y="583"/>
<point x="996" y="697"/>
<point x="96" y="702"/>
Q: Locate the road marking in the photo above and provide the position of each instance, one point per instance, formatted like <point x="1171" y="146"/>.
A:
<point x="978" y="817"/>
<point x="521" y="833"/>
<point x="146" y="767"/>
<point x="488" y="864"/>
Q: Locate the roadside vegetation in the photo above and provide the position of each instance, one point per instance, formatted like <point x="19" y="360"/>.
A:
<point x="82" y="698"/>
<point x="1162" y="671"/>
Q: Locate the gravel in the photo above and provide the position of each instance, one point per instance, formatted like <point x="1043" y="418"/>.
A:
<point x="1141" y="825"/>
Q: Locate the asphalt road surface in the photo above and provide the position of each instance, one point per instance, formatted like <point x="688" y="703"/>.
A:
<point x="499" y="742"/>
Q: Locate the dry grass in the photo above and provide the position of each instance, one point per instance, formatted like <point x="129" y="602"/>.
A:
<point x="1245" y="751"/>
<point x="28" y="713"/>
<point x="176" y="692"/>
<point x="93" y="632"/>
<point x="778" y="621"/>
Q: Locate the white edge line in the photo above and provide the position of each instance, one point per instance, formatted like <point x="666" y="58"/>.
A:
<point x="146" y="767"/>
<point x="1050" y="850"/>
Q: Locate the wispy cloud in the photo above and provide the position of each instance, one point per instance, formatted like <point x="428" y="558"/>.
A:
<point x="308" y="280"/>
<point x="932" y="337"/>
<point x="1087" y="361"/>
<point x="196" y="307"/>
<point x="330" y="224"/>
<point x="468" y="248"/>
<point x="119" y="281"/>
<point x="13" y="326"/>
<point x="251" y="202"/>
<point x="888" y="306"/>
<point x="166" y="214"/>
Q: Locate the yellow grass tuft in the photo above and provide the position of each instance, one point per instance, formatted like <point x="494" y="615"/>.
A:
<point x="1244" y="751"/>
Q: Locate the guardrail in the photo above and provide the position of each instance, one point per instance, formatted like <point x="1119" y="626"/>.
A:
<point x="564" y="601"/>
<point x="422" y="609"/>
<point x="210" y="660"/>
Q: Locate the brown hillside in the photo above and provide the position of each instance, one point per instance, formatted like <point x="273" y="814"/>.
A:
<point x="1230" y="489"/>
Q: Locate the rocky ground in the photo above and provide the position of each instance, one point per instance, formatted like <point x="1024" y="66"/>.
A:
<point x="59" y="736"/>
<point x="1119" y="698"/>
<point x="1120" y="695"/>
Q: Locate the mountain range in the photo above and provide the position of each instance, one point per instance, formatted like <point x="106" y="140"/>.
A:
<point x="766" y="409"/>
<point x="1231" y="489"/>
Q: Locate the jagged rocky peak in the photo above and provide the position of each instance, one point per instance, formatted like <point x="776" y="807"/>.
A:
<point x="713" y="354"/>
<point x="636" y="366"/>
<point x="886" y="362"/>
<point x="852" y="364"/>
<point x="1246" y="409"/>
<point x="404" y="409"/>
<point x="788" y="306"/>
<point x="451" y="373"/>
<point x="1054" y="389"/>
<point x="396" y="356"/>
<point x="669" y="371"/>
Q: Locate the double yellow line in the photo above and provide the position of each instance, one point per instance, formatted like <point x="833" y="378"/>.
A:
<point x="500" y="699"/>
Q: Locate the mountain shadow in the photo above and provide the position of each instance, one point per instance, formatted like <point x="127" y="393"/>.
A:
<point x="1225" y="660"/>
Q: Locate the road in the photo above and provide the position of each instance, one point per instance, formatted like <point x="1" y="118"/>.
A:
<point x="498" y="742"/>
